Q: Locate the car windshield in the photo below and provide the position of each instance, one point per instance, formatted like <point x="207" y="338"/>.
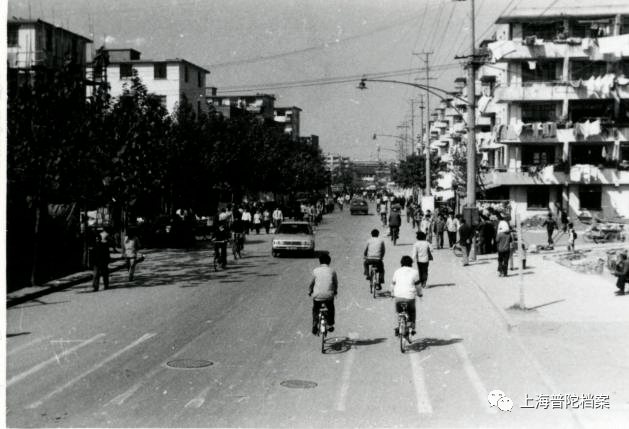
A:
<point x="293" y="228"/>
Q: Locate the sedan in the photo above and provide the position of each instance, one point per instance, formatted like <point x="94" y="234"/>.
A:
<point x="293" y="236"/>
<point x="358" y="206"/>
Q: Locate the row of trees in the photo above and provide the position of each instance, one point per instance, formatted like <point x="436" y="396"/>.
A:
<point x="128" y="153"/>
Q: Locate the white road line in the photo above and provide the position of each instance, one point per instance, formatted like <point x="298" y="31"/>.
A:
<point x="347" y="372"/>
<point x="89" y="371"/>
<point x="198" y="400"/>
<point x="52" y="360"/>
<point x="29" y="344"/>
<point x="421" y="392"/>
<point x="481" y="391"/>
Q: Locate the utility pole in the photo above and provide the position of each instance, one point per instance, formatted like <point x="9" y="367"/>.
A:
<point x="471" y="121"/>
<point x="421" y="120"/>
<point x="427" y="142"/>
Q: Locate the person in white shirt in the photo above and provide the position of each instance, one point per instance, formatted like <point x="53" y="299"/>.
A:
<point x="373" y="255"/>
<point x="452" y="226"/>
<point x="422" y="254"/>
<point x="405" y="286"/>
<point x="278" y="217"/>
<point x="246" y="219"/>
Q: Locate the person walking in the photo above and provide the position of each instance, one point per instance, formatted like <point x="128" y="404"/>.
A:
<point x="246" y="219"/>
<point x="278" y="217"/>
<point x="550" y="225"/>
<point x="131" y="252"/>
<point x="257" y="221"/>
<point x="452" y="226"/>
<point x="422" y="255"/>
<point x="323" y="289"/>
<point x="466" y="235"/>
<point x="100" y="260"/>
<point x="622" y="272"/>
<point x="440" y="227"/>
<point x="503" y="243"/>
<point x="572" y="237"/>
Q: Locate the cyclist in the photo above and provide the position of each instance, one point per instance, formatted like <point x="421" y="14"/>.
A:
<point x="323" y="288"/>
<point x="221" y="237"/>
<point x="405" y="286"/>
<point x="373" y="255"/>
<point x="395" y="221"/>
<point x="238" y="229"/>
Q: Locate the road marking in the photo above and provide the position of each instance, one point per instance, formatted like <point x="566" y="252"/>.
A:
<point x="473" y="376"/>
<point x="94" y="368"/>
<point x="52" y="360"/>
<point x="421" y="392"/>
<point x="29" y="344"/>
<point x="347" y="372"/>
<point x="198" y="400"/>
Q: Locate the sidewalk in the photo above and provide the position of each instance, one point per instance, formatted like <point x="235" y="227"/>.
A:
<point x="33" y="292"/>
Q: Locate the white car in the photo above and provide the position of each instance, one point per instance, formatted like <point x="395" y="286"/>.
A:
<point x="293" y="236"/>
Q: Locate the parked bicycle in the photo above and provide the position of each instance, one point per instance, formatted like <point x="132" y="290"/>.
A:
<point x="322" y="325"/>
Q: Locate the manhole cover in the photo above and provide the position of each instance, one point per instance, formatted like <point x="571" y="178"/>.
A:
<point x="298" y="384"/>
<point x="189" y="363"/>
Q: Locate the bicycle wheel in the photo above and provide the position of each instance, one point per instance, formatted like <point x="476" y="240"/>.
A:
<point x="403" y="334"/>
<point x="374" y="283"/>
<point x="323" y="331"/>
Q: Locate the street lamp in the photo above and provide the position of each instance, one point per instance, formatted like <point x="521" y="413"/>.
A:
<point x="432" y="90"/>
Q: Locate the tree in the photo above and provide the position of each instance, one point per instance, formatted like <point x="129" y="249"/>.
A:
<point x="411" y="172"/>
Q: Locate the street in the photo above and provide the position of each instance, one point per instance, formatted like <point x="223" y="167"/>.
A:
<point x="183" y="346"/>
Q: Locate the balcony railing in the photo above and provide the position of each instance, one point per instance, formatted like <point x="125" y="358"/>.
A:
<point x="558" y="91"/>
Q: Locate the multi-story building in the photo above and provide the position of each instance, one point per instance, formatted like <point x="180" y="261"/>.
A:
<point x="289" y="117"/>
<point x="173" y="80"/>
<point x="36" y="47"/>
<point x="261" y="105"/>
<point x="559" y="91"/>
<point x="334" y="162"/>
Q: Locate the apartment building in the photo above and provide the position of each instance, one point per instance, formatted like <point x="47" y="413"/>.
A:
<point x="36" y="47"/>
<point x="557" y="86"/>
<point x="173" y="80"/>
<point x="334" y="162"/>
<point x="289" y="118"/>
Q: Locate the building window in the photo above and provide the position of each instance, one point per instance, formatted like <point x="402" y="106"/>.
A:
<point x="538" y="155"/>
<point x="186" y="73"/>
<point x="200" y="79"/>
<point x="49" y="39"/>
<point x="539" y="112"/>
<point x="590" y="197"/>
<point x="586" y="154"/>
<point x="159" y="71"/>
<point x="546" y="31"/>
<point x="126" y="71"/>
<point x="580" y="69"/>
<point x="537" y="197"/>
<point x="13" y="36"/>
<point x="162" y="100"/>
<point x="539" y="71"/>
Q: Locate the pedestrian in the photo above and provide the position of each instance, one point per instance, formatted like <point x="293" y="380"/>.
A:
<point x="565" y="223"/>
<point x="422" y="255"/>
<point x="100" y="260"/>
<point x="221" y="237"/>
<point x="257" y="221"/>
<point x="550" y="225"/>
<point x="246" y="219"/>
<point x="409" y="212"/>
<point x="131" y="252"/>
<point x="622" y="272"/>
<point x="466" y="235"/>
<point x="451" y="228"/>
<point x="266" y="220"/>
<point x="572" y="237"/>
<point x="323" y="288"/>
<point x="278" y="217"/>
<point x="440" y="227"/>
<point x="503" y="244"/>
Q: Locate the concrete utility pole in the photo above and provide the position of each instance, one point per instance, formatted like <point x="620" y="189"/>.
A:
<point x="471" y="121"/>
<point x="427" y="143"/>
<point x="421" y="122"/>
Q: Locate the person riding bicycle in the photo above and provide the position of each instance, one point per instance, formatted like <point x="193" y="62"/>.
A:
<point x="238" y="229"/>
<point x="323" y="288"/>
<point x="405" y="286"/>
<point x="395" y="221"/>
<point x="373" y="255"/>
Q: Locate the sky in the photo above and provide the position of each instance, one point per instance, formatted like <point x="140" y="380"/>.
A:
<point x="307" y="53"/>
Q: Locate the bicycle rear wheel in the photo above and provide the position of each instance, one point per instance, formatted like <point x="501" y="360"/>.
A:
<point x="403" y="335"/>
<point x="323" y="331"/>
<point x="373" y="282"/>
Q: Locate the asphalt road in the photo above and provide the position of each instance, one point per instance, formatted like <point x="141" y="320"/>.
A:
<point x="183" y="346"/>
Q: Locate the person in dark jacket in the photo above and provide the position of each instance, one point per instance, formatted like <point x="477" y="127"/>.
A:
<point x="503" y="243"/>
<point x="622" y="272"/>
<point x="100" y="260"/>
<point x="466" y="235"/>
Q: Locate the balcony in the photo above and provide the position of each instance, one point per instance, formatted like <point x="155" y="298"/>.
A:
<point x="528" y="175"/>
<point x="556" y="91"/>
<point x="598" y="175"/>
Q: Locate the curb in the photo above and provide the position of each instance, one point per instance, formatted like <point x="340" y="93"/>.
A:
<point x="57" y="285"/>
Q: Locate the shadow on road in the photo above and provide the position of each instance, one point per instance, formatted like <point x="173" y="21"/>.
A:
<point x="343" y="344"/>
<point x="422" y="344"/>
<point x="440" y="285"/>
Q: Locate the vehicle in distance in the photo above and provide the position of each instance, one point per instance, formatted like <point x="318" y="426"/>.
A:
<point x="358" y="206"/>
<point x="293" y="236"/>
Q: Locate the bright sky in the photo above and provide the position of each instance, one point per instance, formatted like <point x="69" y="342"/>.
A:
<point x="308" y="53"/>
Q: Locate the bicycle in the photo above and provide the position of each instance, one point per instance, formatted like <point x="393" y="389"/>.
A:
<point x="404" y="332"/>
<point x="374" y="280"/>
<point x="395" y="233"/>
<point x="322" y="325"/>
